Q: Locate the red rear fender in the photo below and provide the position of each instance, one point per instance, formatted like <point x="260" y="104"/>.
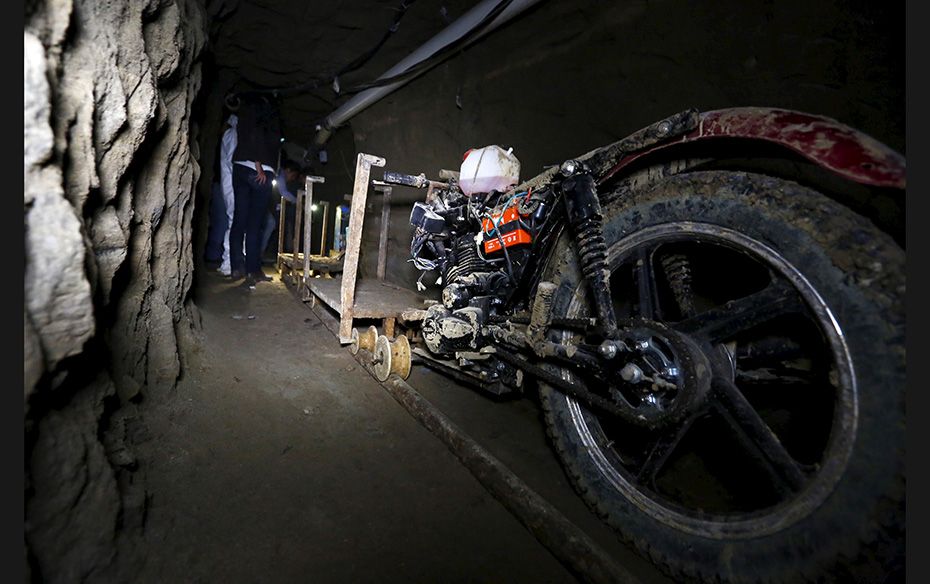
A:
<point x="826" y="142"/>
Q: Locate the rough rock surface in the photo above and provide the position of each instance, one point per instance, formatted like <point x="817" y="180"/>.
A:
<point x="57" y="297"/>
<point x="71" y="529"/>
<point x="109" y="176"/>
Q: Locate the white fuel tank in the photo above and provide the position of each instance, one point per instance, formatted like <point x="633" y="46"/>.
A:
<point x="489" y="169"/>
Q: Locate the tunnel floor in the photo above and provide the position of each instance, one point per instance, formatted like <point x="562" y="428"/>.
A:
<point x="279" y="459"/>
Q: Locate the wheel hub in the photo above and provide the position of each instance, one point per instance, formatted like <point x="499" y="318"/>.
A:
<point x="663" y="373"/>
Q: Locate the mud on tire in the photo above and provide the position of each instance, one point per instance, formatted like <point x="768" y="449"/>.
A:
<point x="848" y="525"/>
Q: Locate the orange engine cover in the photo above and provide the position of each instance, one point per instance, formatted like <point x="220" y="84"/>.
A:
<point x="510" y="230"/>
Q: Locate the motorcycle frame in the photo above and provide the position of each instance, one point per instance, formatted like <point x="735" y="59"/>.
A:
<point x="828" y="144"/>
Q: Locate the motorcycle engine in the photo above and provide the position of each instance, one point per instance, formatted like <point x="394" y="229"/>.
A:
<point x="478" y="244"/>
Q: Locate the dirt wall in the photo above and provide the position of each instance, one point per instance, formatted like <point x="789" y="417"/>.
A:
<point x="109" y="169"/>
<point x="567" y="77"/>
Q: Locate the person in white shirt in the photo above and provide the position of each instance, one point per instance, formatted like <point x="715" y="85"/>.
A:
<point x="259" y="138"/>
<point x="227" y="148"/>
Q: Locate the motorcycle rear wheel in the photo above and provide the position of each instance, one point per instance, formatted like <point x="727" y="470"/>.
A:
<point x="824" y="376"/>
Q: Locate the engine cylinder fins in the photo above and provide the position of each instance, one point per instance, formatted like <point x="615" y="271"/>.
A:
<point x="391" y="357"/>
<point x="365" y="340"/>
<point x="465" y="260"/>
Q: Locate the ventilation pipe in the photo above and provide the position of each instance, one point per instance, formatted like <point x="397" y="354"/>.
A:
<point x="451" y="33"/>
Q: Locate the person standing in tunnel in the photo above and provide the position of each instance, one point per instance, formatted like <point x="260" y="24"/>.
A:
<point x="222" y="199"/>
<point x="227" y="148"/>
<point x="259" y="139"/>
<point x="288" y="173"/>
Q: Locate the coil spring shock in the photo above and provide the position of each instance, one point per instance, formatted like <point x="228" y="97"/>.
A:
<point x="584" y="215"/>
<point x="678" y="271"/>
<point x="592" y="249"/>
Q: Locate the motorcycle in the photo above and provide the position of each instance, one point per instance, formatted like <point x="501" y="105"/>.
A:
<point x="711" y="311"/>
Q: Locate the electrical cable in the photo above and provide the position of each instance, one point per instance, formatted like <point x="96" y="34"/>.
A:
<point x="440" y="53"/>
<point x="499" y="239"/>
<point x="412" y="71"/>
<point x="349" y="67"/>
<point x="371" y="53"/>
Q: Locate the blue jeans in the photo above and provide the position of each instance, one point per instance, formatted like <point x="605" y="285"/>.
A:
<point x="248" y="219"/>
<point x="270" y="225"/>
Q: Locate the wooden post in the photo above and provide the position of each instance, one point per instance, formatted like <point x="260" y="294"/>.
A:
<point x="323" y="236"/>
<point x="308" y="220"/>
<point x="298" y="224"/>
<point x="385" y="222"/>
<point x="298" y="221"/>
<point x="281" y="234"/>
<point x="363" y="165"/>
<point x="389" y="327"/>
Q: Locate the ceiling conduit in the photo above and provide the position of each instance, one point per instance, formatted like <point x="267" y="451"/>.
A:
<point x="455" y="31"/>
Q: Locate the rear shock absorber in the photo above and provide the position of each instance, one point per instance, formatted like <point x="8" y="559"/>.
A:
<point x="678" y="270"/>
<point x="585" y="218"/>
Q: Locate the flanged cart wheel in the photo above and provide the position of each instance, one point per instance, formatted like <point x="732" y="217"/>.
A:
<point x="353" y="345"/>
<point x="383" y="358"/>
<point x="401" y="356"/>
<point x="391" y="357"/>
<point x="365" y="340"/>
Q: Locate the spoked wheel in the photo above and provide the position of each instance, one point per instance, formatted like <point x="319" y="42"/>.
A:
<point x="767" y="357"/>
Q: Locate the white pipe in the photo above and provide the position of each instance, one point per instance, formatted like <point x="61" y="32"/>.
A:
<point x="451" y="33"/>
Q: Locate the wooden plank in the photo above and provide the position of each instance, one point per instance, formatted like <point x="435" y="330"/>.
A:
<point x="298" y="217"/>
<point x="281" y="232"/>
<point x="308" y="220"/>
<point x="323" y="237"/>
<point x="363" y="165"/>
<point x="385" y="222"/>
<point x="326" y="265"/>
<point x="373" y="299"/>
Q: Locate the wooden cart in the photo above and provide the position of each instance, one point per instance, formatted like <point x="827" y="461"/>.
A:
<point x="350" y="296"/>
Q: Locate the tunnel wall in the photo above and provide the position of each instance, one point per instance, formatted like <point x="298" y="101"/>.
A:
<point x="567" y="77"/>
<point x="109" y="168"/>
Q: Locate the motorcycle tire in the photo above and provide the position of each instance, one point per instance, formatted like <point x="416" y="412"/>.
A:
<point x="844" y="521"/>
